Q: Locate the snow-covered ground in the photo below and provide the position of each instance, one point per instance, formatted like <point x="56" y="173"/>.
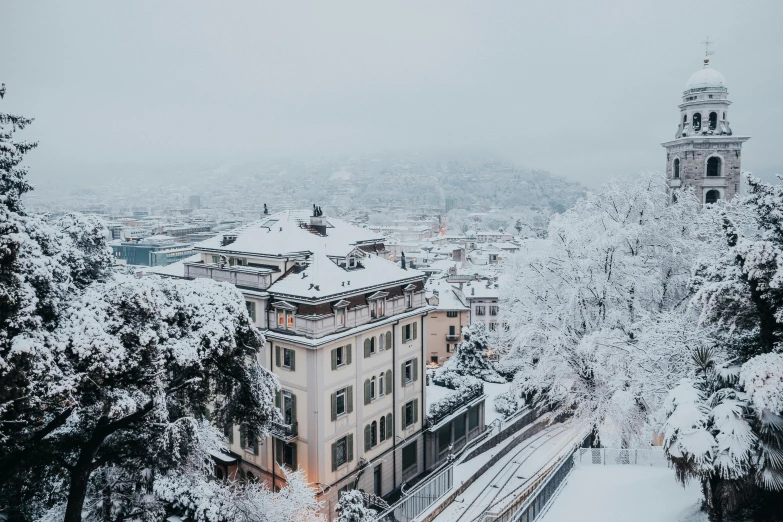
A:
<point x="623" y="493"/>
<point x="510" y="473"/>
<point x="491" y="390"/>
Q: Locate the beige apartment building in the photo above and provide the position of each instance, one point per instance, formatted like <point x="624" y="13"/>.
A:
<point x="345" y="334"/>
<point x="444" y="324"/>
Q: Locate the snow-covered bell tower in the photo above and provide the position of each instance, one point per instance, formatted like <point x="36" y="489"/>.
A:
<point x="705" y="154"/>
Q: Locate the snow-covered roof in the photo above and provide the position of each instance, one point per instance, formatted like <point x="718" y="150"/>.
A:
<point x="479" y="290"/>
<point x="705" y="78"/>
<point x="288" y="232"/>
<point x="332" y="279"/>
<point x="448" y="296"/>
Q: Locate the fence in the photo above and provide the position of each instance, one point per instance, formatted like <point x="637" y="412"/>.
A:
<point x="420" y="497"/>
<point x="610" y="456"/>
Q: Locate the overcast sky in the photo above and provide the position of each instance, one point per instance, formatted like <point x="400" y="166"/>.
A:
<point x="582" y="89"/>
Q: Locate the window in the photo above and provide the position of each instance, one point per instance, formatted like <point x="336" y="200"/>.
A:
<point x="459" y="428"/>
<point x="372" y="388"/>
<point x="285" y="453"/>
<point x="369" y="346"/>
<point x="444" y="438"/>
<point x="724" y="116"/>
<point x="216" y="260"/>
<point x="382" y="426"/>
<point x="713" y="166"/>
<point x="289" y="408"/>
<point x="448" y="348"/>
<point x="410" y="413"/>
<point x="248" y="440"/>
<point x="481" y="310"/>
<point x="374" y="434"/>
<point x="341" y="356"/>
<point x="452" y="330"/>
<point x="409" y="455"/>
<point x="452" y="314"/>
<point x="376" y="308"/>
<point x="228" y="431"/>
<point x="493" y="310"/>
<point x="251" y="310"/>
<point x="434" y="359"/>
<point x="684" y="119"/>
<point x="676" y="168"/>
<point x="381" y="342"/>
<point x="712" y="196"/>
<point x="697" y="121"/>
<point x="380" y="385"/>
<point x="409" y="332"/>
<point x="493" y="326"/>
<point x="713" y="120"/>
<point x="285" y="318"/>
<point x="388" y="340"/>
<point x="408" y="372"/>
<point x="341" y="402"/>
<point x="351" y="262"/>
<point x="473" y="418"/>
<point x="289" y="319"/>
<point x="285" y="357"/>
<point x="408" y="299"/>
<point x="281" y="318"/>
<point x="342" y="451"/>
<point x="339" y="315"/>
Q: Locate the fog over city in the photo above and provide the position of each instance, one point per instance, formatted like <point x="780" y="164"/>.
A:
<point x="584" y="90"/>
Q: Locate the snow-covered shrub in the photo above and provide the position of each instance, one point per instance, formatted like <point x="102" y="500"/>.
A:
<point x="464" y="389"/>
<point x="508" y="402"/>
<point x="508" y="368"/>
<point x="351" y="508"/>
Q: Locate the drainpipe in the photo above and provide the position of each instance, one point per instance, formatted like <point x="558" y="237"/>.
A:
<point x="394" y="402"/>
<point x="272" y="370"/>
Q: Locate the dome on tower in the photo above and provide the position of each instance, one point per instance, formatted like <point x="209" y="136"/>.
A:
<point x="706" y="78"/>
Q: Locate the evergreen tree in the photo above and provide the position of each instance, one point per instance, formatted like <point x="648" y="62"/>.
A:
<point x="724" y="424"/>
<point x="470" y="356"/>
<point x="109" y="383"/>
<point x="351" y="508"/>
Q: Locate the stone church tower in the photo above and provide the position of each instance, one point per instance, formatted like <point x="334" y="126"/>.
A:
<point x="705" y="154"/>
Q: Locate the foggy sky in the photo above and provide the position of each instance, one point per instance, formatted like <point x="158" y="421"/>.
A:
<point x="586" y="90"/>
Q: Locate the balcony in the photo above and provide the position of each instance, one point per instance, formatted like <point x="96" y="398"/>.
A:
<point x="452" y="337"/>
<point x="285" y="432"/>
<point x="244" y="276"/>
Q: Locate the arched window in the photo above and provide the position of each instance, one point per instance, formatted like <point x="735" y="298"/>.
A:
<point x="380" y="342"/>
<point x="251" y="477"/>
<point x="724" y="116"/>
<point x="381" y="390"/>
<point x="712" y="196"/>
<point x="372" y="388"/>
<point x="676" y="168"/>
<point x="383" y="428"/>
<point x="696" y="121"/>
<point x="713" y="120"/>
<point x="374" y="434"/>
<point x="684" y="119"/>
<point x="713" y="166"/>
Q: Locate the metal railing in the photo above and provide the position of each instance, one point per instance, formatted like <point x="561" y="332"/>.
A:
<point x="419" y="498"/>
<point x="285" y="431"/>
<point x="611" y="456"/>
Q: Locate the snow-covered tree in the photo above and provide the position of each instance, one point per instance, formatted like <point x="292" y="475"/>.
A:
<point x="351" y="508"/>
<point x="724" y="423"/>
<point x="470" y="356"/>
<point x="594" y="316"/>
<point x="110" y="383"/>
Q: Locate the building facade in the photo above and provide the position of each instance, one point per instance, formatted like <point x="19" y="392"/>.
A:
<point x="705" y="154"/>
<point x="345" y="335"/>
<point x="444" y="324"/>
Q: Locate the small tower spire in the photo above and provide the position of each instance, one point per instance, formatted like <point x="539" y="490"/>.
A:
<point x="707" y="52"/>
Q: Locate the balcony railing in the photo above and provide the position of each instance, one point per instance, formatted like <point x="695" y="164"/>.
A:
<point x="246" y="276"/>
<point x="285" y="431"/>
<point x="452" y="337"/>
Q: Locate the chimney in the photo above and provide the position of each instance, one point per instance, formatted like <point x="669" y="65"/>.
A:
<point x="402" y="261"/>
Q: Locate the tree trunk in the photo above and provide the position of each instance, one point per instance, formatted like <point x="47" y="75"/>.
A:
<point x="80" y="476"/>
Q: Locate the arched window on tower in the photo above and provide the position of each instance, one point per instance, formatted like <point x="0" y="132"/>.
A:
<point x="724" y="116"/>
<point x="713" y="120"/>
<point x="713" y="166"/>
<point x="676" y="168"/>
<point x="684" y="119"/>
<point x="696" y="121"/>
<point x="712" y="196"/>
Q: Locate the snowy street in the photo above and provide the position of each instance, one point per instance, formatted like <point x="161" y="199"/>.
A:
<point x="512" y="473"/>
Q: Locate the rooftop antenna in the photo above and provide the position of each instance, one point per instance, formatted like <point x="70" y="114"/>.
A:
<point x="707" y="52"/>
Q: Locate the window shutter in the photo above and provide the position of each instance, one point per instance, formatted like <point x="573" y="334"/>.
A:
<point x="349" y="447"/>
<point x="349" y="399"/>
<point x="277" y="356"/>
<point x="366" y="347"/>
<point x="278" y="400"/>
<point x="334" y="359"/>
<point x="416" y="369"/>
<point x="293" y="360"/>
<point x="348" y="354"/>
<point x="381" y="342"/>
<point x="255" y="443"/>
<point x="414" y="329"/>
<point x="242" y="430"/>
<point x="415" y="410"/>
<point x="334" y="406"/>
<point x="279" y="452"/>
<point x="389" y="382"/>
<point x="388" y="340"/>
<point x="389" y="426"/>
<point x="293" y="408"/>
<point x="402" y="417"/>
<point x="367" y="435"/>
<point x="367" y="391"/>
<point x="294" y="463"/>
<point x="402" y="374"/>
<point x="334" y="456"/>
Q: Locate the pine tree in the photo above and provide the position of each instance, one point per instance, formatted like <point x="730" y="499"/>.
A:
<point x="470" y="356"/>
<point x="724" y="425"/>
